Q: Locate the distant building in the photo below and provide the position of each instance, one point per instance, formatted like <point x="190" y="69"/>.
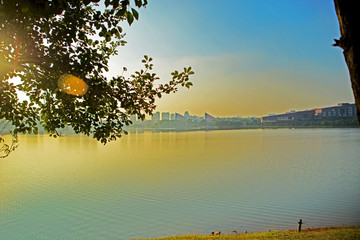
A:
<point x="155" y="116"/>
<point x="342" y="110"/>
<point x="172" y="116"/>
<point x="165" y="116"/>
<point x="133" y="118"/>
<point x="179" y="117"/>
<point x="297" y="116"/>
<point x="209" y="118"/>
<point x="194" y="118"/>
<point x="186" y="115"/>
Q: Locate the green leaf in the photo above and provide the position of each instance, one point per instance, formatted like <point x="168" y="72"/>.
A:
<point x="138" y="3"/>
<point x="121" y="12"/>
<point x="135" y="13"/>
<point x="115" y="4"/>
<point x="130" y="18"/>
<point x="113" y="31"/>
<point x="108" y="37"/>
<point x="102" y="32"/>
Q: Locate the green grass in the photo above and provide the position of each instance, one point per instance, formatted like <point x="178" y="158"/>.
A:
<point x="329" y="233"/>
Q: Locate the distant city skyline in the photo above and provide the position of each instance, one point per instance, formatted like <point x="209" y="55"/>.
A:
<point x="186" y="115"/>
<point x="252" y="59"/>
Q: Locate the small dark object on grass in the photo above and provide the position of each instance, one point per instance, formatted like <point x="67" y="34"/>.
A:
<point x="299" y="225"/>
<point x="218" y="233"/>
<point x="245" y="231"/>
<point x="234" y="232"/>
<point x="212" y="234"/>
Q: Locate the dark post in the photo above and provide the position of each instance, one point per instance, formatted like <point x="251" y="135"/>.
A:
<point x="299" y="226"/>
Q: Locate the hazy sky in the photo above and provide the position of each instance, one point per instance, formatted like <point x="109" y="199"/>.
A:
<point x="250" y="57"/>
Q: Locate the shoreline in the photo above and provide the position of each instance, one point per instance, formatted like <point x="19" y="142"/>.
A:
<point x="327" y="233"/>
<point x="141" y="130"/>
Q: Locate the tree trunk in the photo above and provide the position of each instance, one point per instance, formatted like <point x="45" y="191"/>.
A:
<point x="348" y="15"/>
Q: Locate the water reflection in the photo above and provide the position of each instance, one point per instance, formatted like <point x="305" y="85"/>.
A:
<point x="157" y="184"/>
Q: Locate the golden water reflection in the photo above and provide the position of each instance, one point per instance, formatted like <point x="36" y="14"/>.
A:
<point x="203" y="179"/>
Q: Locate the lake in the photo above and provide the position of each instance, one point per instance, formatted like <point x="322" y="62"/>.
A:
<point x="162" y="184"/>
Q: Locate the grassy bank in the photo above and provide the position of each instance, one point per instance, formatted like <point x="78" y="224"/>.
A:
<point x="329" y="233"/>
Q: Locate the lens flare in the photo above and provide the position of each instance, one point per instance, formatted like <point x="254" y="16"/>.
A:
<point x="16" y="53"/>
<point x="72" y="85"/>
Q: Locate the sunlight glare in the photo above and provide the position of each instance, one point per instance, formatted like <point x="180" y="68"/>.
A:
<point x="72" y="85"/>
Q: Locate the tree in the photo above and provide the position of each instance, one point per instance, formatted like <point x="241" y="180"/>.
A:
<point x="5" y="147"/>
<point x="59" y="51"/>
<point x="349" y="21"/>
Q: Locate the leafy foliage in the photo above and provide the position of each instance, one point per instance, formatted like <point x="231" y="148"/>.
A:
<point x="5" y="147"/>
<point x="40" y="41"/>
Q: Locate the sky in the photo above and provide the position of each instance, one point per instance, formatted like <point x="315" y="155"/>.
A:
<point x="250" y="57"/>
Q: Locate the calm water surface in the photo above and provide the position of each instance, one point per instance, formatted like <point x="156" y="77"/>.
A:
<point x="161" y="184"/>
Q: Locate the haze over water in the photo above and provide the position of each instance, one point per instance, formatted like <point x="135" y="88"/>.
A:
<point x="160" y="184"/>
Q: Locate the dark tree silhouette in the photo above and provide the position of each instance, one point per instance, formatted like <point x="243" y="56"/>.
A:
<point x="348" y="15"/>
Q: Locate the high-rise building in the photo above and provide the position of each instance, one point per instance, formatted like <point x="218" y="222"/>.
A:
<point x="155" y="116"/>
<point x="186" y="114"/>
<point x="172" y="116"/>
<point x="165" y="116"/>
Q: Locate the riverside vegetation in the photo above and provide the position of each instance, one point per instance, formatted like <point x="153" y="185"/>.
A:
<point x="327" y="233"/>
<point x="245" y="123"/>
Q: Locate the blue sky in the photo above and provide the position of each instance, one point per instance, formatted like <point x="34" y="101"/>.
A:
<point x="250" y="57"/>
